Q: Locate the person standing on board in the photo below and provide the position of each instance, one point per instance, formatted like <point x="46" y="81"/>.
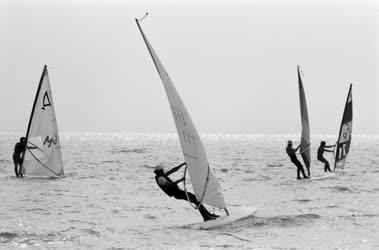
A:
<point x="171" y="188"/>
<point x="320" y="155"/>
<point x="19" y="149"/>
<point x="292" y="154"/>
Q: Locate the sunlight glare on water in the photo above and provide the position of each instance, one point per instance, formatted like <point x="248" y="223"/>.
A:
<point x="109" y="198"/>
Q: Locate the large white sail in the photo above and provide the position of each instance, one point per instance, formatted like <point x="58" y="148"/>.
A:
<point x="206" y="187"/>
<point x="305" y="132"/>
<point x="43" y="156"/>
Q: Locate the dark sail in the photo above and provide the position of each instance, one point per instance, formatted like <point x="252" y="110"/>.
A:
<point x="344" y="137"/>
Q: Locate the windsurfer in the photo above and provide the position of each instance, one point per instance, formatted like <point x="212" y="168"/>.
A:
<point x="292" y="154"/>
<point x="320" y="155"/>
<point x="171" y="188"/>
<point x="19" y="149"/>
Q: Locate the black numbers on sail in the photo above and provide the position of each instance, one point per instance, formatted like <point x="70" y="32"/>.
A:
<point x="342" y="151"/>
<point x="179" y="117"/>
<point x="188" y="137"/>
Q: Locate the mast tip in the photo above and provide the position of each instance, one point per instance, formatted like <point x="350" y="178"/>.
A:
<point x="138" y="20"/>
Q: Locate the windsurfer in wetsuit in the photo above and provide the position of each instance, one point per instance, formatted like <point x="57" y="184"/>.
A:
<point x="292" y="154"/>
<point x="171" y="188"/>
<point x="320" y="155"/>
<point x="19" y="148"/>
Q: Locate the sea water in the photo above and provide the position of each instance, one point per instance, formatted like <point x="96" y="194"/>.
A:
<point x="109" y="198"/>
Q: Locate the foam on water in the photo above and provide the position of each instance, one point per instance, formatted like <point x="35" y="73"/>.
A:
<point x="109" y="198"/>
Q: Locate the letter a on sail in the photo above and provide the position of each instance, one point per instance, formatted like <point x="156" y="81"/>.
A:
<point x="206" y="187"/>
<point x="43" y="156"/>
<point x="305" y="133"/>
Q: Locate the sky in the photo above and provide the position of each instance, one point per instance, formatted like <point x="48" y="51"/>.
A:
<point x="232" y="61"/>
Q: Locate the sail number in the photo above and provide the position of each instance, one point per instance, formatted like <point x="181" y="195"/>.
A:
<point x="188" y="137"/>
<point x="341" y="150"/>
<point x="50" y="141"/>
<point x="179" y="117"/>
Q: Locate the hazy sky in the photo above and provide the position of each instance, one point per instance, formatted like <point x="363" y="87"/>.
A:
<point x="233" y="63"/>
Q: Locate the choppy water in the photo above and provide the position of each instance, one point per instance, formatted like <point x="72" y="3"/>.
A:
<point x="109" y="198"/>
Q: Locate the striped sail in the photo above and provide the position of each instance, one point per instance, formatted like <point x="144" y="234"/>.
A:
<point x="344" y="136"/>
<point x="43" y="156"/>
<point x="305" y="132"/>
<point x="206" y="186"/>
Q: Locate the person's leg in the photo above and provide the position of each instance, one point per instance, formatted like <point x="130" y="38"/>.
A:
<point x="327" y="166"/>
<point x="181" y="195"/>
<point x="20" y="168"/>
<point x="15" y="166"/>
<point x="309" y="171"/>
<point x="307" y="165"/>
<point x="298" y="173"/>
<point x="300" y="169"/>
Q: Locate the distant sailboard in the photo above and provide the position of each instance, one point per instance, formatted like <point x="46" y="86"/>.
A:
<point x="43" y="156"/>
<point x="205" y="185"/>
<point x="305" y="132"/>
<point x="344" y="136"/>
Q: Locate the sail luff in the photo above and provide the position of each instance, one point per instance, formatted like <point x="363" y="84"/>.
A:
<point x="305" y="131"/>
<point x="205" y="185"/>
<point x="34" y="107"/>
<point x="343" y="144"/>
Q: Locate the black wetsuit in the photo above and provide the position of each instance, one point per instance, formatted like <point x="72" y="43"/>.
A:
<point x="19" y="148"/>
<point x="292" y="154"/>
<point x="172" y="189"/>
<point x="320" y="157"/>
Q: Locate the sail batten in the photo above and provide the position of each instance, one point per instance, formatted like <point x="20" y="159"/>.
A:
<point x="305" y="131"/>
<point x="205" y="185"/>
<point x="43" y="156"/>
<point x="344" y="136"/>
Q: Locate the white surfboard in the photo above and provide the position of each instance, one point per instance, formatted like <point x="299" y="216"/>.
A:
<point x="323" y="177"/>
<point x="236" y="214"/>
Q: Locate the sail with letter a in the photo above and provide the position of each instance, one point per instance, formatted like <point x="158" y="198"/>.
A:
<point x="344" y="136"/>
<point x="305" y="132"/>
<point x="206" y="186"/>
<point x="43" y="156"/>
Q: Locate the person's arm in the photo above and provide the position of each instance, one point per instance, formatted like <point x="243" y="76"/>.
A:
<point x="175" y="169"/>
<point x="296" y="149"/>
<point x="330" y="146"/>
<point x="327" y="150"/>
<point x="180" y="180"/>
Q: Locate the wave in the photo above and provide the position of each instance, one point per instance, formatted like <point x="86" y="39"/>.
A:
<point x="283" y="220"/>
<point x="275" y="165"/>
<point x="6" y="237"/>
<point x="257" y="178"/>
<point x="302" y="200"/>
<point x="127" y="151"/>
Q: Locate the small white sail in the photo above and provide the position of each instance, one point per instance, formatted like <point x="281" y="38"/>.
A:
<point x="305" y="132"/>
<point x="206" y="187"/>
<point x="43" y="156"/>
